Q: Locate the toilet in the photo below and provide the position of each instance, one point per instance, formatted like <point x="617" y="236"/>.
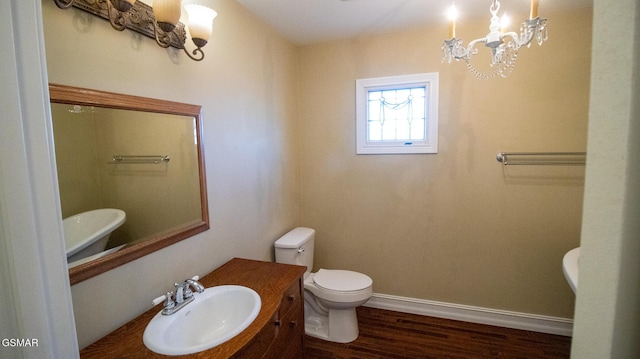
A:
<point x="330" y="295"/>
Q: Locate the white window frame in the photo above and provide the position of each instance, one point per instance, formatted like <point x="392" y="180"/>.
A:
<point x="363" y="86"/>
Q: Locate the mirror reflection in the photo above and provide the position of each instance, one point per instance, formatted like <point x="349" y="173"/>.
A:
<point x="127" y="176"/>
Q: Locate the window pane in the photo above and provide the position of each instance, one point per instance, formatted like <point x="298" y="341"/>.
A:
<point x="396" y="114"/>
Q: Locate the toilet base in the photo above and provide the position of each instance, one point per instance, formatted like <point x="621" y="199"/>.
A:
<point x="339" y="326"/>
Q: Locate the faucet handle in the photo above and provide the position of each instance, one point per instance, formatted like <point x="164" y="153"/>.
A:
<point x="166" y="298"/>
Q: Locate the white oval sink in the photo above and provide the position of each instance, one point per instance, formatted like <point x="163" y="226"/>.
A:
<point x="570" y="267"/>
<point x="215" y="316"/>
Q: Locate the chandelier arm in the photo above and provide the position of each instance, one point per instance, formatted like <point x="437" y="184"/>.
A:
<point x="514" y="36"/>
<point x="531" y="29"/>
<point x="476" y="41"/>
<point x="471" y="50"/>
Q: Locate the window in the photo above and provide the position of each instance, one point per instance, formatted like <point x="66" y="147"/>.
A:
<point x="397" y="114"/>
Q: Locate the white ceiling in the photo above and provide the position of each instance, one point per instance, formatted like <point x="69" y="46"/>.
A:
<point x="312" y="21"/>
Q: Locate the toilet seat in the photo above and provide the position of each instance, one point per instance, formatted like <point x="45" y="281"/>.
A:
<point x="356" y="287"/>
<point x="341" y="280"/>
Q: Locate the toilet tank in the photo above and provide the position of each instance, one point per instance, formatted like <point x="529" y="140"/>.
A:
<point x="296" y="247"/>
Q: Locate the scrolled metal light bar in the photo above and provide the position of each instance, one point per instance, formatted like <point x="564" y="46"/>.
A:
<point x="139" y="17"/>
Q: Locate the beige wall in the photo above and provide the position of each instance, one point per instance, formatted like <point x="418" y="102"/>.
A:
<point x="246" y="85"/>
<point x="456" y="226"/>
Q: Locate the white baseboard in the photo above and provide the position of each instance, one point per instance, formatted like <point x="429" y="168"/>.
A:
<point x="501" y="318"/>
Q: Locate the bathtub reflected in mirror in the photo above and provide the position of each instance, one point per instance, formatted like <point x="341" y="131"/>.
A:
<point x="87" y="234"/>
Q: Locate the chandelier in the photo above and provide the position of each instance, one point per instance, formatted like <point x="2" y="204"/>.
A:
<point x="504" y="45"/>
<point x="160" y="22"/>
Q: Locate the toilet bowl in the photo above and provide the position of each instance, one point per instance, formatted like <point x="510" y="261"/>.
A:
<point x="331" y="298"/>
<point x="330" y="295"/>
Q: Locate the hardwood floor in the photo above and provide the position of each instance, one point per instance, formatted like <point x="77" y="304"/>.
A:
<point x="393" y="335"/>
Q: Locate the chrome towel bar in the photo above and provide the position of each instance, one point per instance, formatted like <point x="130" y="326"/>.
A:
<point x="154" y="159"/>
<point x="542" y="158"/>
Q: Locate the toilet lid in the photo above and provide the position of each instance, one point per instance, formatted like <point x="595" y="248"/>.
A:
<point x="341" y="280"/>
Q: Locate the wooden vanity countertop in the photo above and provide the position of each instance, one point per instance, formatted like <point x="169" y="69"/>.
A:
<point x="269" y="280"/>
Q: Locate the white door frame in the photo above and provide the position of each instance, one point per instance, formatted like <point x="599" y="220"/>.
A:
<point x="35" y="291"/>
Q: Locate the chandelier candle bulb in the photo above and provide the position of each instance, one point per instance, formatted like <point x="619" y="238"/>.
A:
<point x="534" y="9"/>
<point x="504" y="22"/>
<point x="452" y="14"/>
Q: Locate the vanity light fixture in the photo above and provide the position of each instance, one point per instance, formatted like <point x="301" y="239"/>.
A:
<point x="160" y="22"/>
<point x="504" y="45"/>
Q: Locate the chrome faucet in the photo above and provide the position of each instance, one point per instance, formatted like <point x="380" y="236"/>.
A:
<point x="199" y="288"/>
<point x="183" y="295"/>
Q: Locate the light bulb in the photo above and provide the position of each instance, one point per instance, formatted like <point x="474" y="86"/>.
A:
<point x="504" y="23"/>
<point x="200" y="22"/>
<point x="452" y="13"/>
<point x="167" y="13"/>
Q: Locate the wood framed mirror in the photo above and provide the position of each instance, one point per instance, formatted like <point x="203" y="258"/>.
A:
<point x="165" y="200"/>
